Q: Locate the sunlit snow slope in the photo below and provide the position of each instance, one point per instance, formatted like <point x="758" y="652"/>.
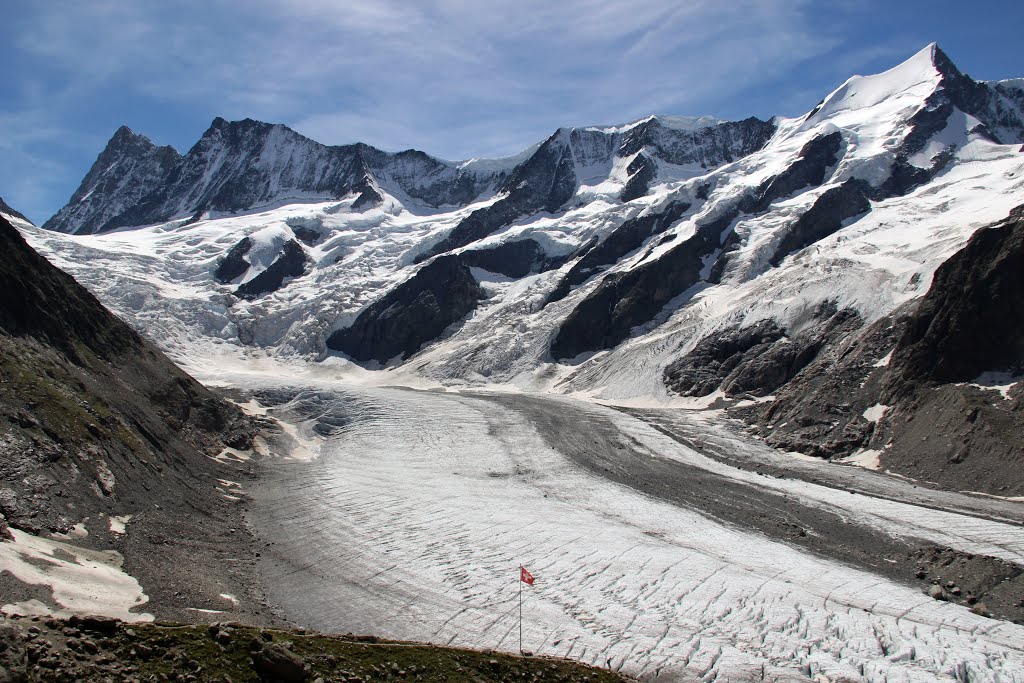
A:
<point x="932" y="174"/>
<point x="600" y="255"/>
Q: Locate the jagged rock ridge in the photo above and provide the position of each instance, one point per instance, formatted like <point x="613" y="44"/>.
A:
<point x="6" y="209"/>
<point x="245" y="164"/>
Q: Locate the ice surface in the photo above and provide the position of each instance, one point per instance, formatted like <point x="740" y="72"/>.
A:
<point x="428" y="502"/>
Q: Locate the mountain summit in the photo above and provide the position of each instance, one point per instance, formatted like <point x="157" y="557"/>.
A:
<point x="684" y="260"/>
<point x="243" y="165"/>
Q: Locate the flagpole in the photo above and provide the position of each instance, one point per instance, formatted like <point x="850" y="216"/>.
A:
<point x="520" y="609"/>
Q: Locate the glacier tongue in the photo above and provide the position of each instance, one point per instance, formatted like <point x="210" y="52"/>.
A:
<point x="624" y="579"/>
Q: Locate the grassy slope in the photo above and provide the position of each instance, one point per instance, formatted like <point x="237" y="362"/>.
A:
<point x="51" y="649"/>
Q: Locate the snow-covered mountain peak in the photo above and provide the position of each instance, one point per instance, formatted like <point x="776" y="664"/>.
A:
<point x="124" y="134"/>
<point x="599" y="253"/>
<point x="678" y="123"/>
<point x="688" y="123"/>
<point x="905" y="85"/>
<point x="484" y="165"/>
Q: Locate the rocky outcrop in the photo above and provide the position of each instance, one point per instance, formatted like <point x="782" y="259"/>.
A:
<point x="825" y="217"/>
<point x="233" y="264"/>
<point x="758" y="359"/>
<point x="972" y="318"/>
<point x="41" y="302"/>
<point x="290" y="263"/>
<point x="820" y="409"/>
<point x="412" y="314"/>
<point x="808" y="169"/>
<point x="627" y="299"/>
<point x="516" y="258"/>
<point x="943" y="427"/>
<point x="912" y="386"/>
<point x="643" y="170"/>
<point x="626" y="238"/>
<point x="708" y="366"/>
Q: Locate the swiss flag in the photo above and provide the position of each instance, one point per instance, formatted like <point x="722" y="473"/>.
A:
<point x="525" y="576"/>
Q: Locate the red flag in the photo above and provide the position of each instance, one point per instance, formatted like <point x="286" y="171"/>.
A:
<point x="525" y="576"/>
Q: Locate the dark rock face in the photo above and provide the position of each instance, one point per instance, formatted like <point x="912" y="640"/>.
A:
<point x="125" y="173"/>
<point x="5" y="208"/>
<point x="412" y="314"/>
<point x="642" y="171"/>
<point x="368" y="197"/>
<point x="972" y="319"/>
<point x="969" y="322"/>
<point x="998" y="106"/>
<point x="756" y="360"/>
<point x="476" y="226"/>
<point x="625" y="300"/>
<point x="39" y="301"/>
<point x="627" y="237"/>
<point x="308" y="236"/>
<point x="825" y="217"/>
<point x="233" y="264"/>
<point x="815" y="159"/>
<point x="291" y="263"/>
<point x="819" y="411"/>
<point x="937" y="427"/>
<point x="516" y="259"/>
<point x="704" y="369"/>
<point x="238" y="165"/>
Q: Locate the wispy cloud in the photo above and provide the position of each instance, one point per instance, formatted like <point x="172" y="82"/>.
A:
<point x="456" y="78"/>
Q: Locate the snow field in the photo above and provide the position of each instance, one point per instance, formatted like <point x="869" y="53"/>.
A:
<point x="82" y="580"/>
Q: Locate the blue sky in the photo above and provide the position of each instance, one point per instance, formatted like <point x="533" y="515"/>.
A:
<point x="455" y="78"/>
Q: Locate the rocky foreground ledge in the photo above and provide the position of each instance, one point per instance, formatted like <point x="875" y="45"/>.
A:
<point x="89" y="648"/>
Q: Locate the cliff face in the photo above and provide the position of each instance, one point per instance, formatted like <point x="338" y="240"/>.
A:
<point x="921" y="389"/>
<point x="971" y="321"/>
